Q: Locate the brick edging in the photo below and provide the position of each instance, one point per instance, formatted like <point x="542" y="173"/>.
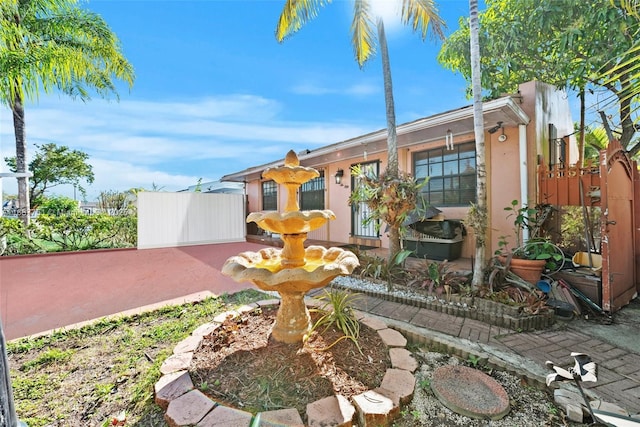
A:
<point x="490" y="312"/>
<point x="185" y="405"/>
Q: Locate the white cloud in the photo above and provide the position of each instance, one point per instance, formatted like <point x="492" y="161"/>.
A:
<point x="121" y="176"/>
<point x="311" y="89"/>
<point x="168" y="143"/>
<point x="364" y="89"/>
<point x="358" y="89"/>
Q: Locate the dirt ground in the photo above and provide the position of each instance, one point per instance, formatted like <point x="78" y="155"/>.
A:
<point x="239" y="366"/>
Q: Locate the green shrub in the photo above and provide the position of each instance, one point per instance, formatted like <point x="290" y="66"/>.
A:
<point x="81" y="232"/>
<point x="15" y="238"/>
<point x="58" y="205"/>
<point x="435" y="277"/>
<point x="377" y="268"/>
<point x="337" y="311"/>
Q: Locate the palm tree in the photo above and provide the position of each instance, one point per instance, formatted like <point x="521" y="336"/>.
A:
<point x="480" y="209"/>
<point x="422" y="15"/>
<point x="53" y="44"/>
<point x="627" y="70"/>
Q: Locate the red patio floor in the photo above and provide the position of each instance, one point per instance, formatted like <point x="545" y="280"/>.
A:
<point x="43" y="292"/>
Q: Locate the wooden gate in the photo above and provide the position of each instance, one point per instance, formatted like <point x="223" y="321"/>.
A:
<point x="614" y="185"/>
<point x="618" y="227"/>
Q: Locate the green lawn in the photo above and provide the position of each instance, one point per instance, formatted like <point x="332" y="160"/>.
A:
<point x="88" y="376"/>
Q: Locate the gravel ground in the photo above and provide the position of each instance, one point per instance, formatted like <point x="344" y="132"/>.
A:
<point x="530" y="407"/>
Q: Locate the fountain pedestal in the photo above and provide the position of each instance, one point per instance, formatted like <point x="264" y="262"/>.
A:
<point x="293" y="321"/>
<point x="293" y="251"/>
<point x="294" y="270"/>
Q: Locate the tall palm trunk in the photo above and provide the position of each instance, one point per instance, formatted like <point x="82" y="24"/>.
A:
<point x="21" y="157"/>
<point x="392" y="139"/>
<point x="582" y="129"/>
<point x="480" y="226"/>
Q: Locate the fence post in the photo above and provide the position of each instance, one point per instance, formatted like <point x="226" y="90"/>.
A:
<point x="7" y="410"/>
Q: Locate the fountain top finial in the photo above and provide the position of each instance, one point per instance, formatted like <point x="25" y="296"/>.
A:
<point x="291" y="159"/>
<point x="291" y="173"/>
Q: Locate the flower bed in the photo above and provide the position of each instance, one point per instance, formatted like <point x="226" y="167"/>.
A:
<point x="490" y="312"/>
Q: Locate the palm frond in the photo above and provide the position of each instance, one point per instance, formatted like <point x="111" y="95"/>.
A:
<point x="54" y="44"/>
<point x="423" y="15"/>
<point x="630" y="64"/>
<point x="630" y="6"/>
<point x="362" y="32"/>
<point x="295" y="14"/>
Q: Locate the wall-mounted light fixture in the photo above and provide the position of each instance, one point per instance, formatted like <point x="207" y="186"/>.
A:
<point x="339" y="175"/>
<point x="496" y="128"/>
<point x="502" y="137"/>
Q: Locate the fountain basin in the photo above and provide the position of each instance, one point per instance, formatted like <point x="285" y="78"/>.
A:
<point x="291" y="174"/>
<point x="294" y="222"/>
<point x="264" y="268"/>
<point x="270" y="270"/>
<point x="293" y="270"/>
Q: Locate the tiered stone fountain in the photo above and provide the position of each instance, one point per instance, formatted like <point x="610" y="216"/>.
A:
<point x="293" y="270"/>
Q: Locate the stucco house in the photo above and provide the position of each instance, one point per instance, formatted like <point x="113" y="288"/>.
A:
<point x="522" y="130"/>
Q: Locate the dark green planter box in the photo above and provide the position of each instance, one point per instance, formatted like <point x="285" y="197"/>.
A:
<point x="436" y="249"/>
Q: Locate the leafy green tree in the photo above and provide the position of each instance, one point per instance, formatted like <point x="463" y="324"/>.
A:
<point x="54" y="165"/>
<point x="422" y="15"/>
<point x="59" y="205"/>
<point x="53" y="44"/>
<point x="595" y="140"/>
<point x="116" y="202"/>
<point x="567" y="43"/>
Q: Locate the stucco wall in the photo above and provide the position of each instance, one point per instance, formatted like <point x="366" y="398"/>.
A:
<point x="541" y="102"/>
<point x="544" y="105"/>
<point x="503" y="172"/>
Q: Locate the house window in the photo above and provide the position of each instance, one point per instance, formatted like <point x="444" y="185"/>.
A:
<point x="452" y="174"/>
<point x="269" y="196"/>
<point x="312" y="194"/>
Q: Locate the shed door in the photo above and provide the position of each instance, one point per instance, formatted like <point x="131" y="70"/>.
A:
<point x="618" y="281"/>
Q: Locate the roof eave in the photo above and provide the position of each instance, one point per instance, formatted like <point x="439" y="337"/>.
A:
<point x="503" y="109"/>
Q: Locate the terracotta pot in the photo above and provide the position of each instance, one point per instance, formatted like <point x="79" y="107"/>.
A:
<point x="529" y="270"/>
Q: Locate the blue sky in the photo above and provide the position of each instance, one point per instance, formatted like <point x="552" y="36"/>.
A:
<point x="215" y="93"/>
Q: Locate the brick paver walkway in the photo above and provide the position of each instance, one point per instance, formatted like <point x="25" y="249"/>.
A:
<point x="618" y="369"/>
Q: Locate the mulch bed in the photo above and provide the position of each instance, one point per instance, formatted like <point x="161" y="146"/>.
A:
<point x="239" y="365"/>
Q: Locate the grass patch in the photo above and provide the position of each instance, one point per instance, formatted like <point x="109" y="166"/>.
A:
<point x="89" y="375"/>
<point x="53" y="355"/>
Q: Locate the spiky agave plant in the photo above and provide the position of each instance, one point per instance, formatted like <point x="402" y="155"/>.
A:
<point x="337" y="310"/>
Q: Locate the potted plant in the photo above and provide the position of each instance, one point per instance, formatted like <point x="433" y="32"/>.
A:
<point x="530" y="258"/>
<point x="391" y="198"/>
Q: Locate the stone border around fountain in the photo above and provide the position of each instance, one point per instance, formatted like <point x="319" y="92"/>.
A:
<point x="185" y="405"/>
